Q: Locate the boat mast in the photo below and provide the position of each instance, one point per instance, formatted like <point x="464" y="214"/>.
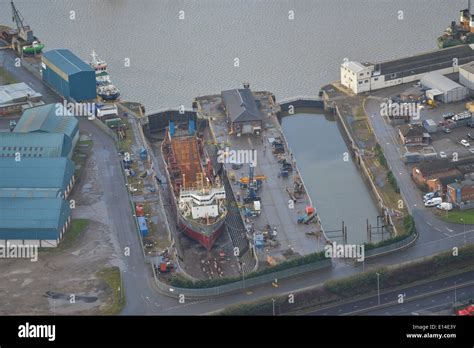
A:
<point x="94" y="57"/>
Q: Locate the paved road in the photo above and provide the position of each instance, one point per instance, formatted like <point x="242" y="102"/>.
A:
<point x="430" y="227"/>
<point x="141" y="295"/>
<point x="430" y="297"/>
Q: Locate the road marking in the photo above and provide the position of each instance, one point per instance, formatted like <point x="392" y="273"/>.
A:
<point x="449" y="230"/>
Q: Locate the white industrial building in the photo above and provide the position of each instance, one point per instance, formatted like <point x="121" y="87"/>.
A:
<point x="443" y="89"/>
<point x="368" y="77"/>
<point x="356" y="76"/>
<point x="466" y="76"/>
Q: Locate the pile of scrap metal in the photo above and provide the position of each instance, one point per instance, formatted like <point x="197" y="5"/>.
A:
<point x="164" y="264"/>
<point x="308" y="217"/>
<point x="277" y="146"/>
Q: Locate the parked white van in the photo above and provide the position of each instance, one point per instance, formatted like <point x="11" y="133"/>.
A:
<point x="433" y="202"/>
<point x="430" y="195"/>
<point x="445" y="206"/>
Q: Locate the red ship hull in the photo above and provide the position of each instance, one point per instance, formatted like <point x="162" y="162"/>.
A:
<point x="206" y="240"/>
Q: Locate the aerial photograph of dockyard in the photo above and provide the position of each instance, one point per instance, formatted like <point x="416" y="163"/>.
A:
<point x="237" y="158"/>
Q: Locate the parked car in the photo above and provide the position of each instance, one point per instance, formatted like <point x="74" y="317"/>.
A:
<point x="471" y="150"/>
<point x="430" y="195"/>
<point x="470" y="136"/>
<point x="442" y="154"/>
<point x="433" y="202"/>
<point x="464" y="143"/>
<point x="445" y="206"/>
<point x="447" y="130"/>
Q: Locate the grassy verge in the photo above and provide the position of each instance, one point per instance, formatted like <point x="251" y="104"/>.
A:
<point x="70" y="237"/>
<point x="361" y="285"/>
<point x="113" y="278"/>
<point x="81" y="154"/>
<point x="456" y="216"/>
<point x="125" y="144"/>
<point x="6" y="78"/>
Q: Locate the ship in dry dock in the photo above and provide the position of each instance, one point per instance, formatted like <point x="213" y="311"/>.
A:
<point x="199" y="199"/>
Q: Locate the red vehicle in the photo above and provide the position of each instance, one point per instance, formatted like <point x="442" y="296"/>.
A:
<point x="139" y="210"/>
<point x="468" y="311"/>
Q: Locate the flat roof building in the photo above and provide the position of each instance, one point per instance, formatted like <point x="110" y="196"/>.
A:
<point x="466" y="76"/>
<point x="405" y="70"/>
<point x="33" y="221"/>
<point x="16" y="97"/>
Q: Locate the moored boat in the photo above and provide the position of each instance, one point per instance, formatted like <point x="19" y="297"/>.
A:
<point x="105" y="89"/>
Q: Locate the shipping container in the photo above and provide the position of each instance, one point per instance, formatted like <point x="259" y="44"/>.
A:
<point x="143" y="226"/>
<point x="430" y="126"/>
<point x="143" y="153"/>
<point x="68" y="75"/>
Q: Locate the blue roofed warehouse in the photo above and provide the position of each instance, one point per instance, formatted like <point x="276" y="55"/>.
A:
<point x="47" y="119"/>
<point x="33" y="221"/>
<point x="36" y="177"/>
<point x="34" y="145"/>
<point x="68" y="75"/>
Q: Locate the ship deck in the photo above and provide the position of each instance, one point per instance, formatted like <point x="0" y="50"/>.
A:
<point x="187" y="157"/>
<point x="292" y="238"/>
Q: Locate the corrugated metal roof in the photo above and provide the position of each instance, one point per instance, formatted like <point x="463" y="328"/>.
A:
<point x="32" y="218"/>
<point x="67" y="61"/>
<point x="16" y="92"/>
<point x="32" y="144"/>
<point x="44" y="118"/>
<point x="435" y="80"/>
<point x="36" y="173"/>
<point x="30" y="193"/>
<point x="241" y="106"/>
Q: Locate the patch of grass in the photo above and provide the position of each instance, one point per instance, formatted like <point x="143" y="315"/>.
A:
<point x="380" y="156"/>
<point x="85" y="143"/>
<point x="5" y="77"/>
<point x="126" y="143"/>
<point x="70" y="237"/>
<point x="113" y="278"/>
<point x="456" y="216"/>
<point x="81" y="154"/>
<point x="393" y="181"/>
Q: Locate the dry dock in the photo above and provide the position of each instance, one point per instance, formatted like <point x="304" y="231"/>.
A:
<point x="292" y="239"/>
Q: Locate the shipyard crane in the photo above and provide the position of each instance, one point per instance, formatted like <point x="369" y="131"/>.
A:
<point x="24" y="31"/>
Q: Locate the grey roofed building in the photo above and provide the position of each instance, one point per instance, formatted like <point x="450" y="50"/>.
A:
<point x="240" y="105"/>
<point x="439" y="84"/>
<point x="411" y="130"/>
<point x="468" y="67"/>
<point x="439" y="81"/>
<point x="17" y="93"/>
<point x="425" y="62"/>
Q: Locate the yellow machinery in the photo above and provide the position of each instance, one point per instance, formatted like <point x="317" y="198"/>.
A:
<point x="431" y="103"/>
<point x="245" y="179"/>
